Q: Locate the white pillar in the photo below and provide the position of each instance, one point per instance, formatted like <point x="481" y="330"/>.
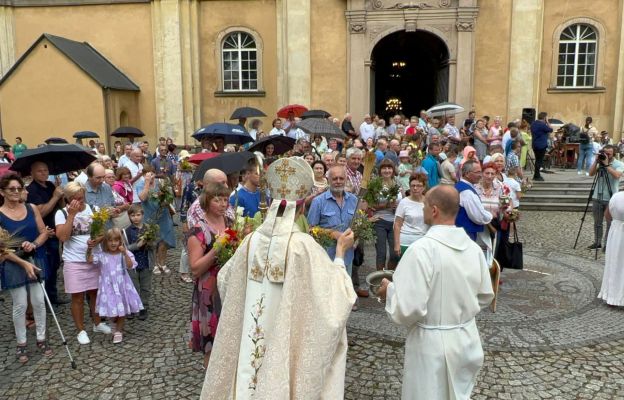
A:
<point x="525" y="57"/>
<point x="176" y="67"/>
<point x="7" y="39"/>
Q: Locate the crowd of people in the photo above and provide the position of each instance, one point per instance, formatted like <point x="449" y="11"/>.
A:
<point x="437" y="184"/>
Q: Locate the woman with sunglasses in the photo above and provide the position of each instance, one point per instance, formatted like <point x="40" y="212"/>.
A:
<point x="19" y="271"/>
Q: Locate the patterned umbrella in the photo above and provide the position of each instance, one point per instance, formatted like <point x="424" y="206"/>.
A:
<point x="321" y="126"/>
<point x="231" y="133"/>
<point x="295" y="109"/>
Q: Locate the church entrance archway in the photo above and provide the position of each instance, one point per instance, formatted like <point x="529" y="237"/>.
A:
<point x="409" y="72"/>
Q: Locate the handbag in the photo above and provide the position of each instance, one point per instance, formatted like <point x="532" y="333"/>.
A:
<point x="510" y="254"/>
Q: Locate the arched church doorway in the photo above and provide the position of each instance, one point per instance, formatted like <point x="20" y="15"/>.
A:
<point x="409" y="72"/>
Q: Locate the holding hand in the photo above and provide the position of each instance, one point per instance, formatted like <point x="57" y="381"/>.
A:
<point x="345" y="241"/>
<point x="381" y="292"/>
<point x="31" y="270"/>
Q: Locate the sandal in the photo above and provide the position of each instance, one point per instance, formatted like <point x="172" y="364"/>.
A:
<point x="165" y="269"/>
<point x="186" y="278"/>
<point x="117" y="337"/>
<point x="157" y="270"/>
<point x="22" y="354"/>
<point x="46" y="350"/>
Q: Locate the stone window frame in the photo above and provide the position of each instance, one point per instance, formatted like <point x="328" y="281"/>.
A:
<point x="600" y="53"/>
<point x="220" y="92"/>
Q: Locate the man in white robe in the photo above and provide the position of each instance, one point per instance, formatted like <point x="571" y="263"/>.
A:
<point x="440" y="284"/>
<point x="282" y="330"/>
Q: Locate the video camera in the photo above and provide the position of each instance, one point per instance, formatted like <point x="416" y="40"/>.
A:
<point x="602" y="156"/>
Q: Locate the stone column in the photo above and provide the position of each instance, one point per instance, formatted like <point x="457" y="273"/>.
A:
<point x="525" y="56"/>
<point x="176" y="67"/>
<point x="618" y="108"/>
<point x="293" y="52"/>
<point x="358" y="71"/>
<point x="462" y="71"/>
<point x="7" y="39"/>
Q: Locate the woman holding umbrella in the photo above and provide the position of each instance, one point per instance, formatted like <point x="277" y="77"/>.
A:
<point x="19" y="272"/>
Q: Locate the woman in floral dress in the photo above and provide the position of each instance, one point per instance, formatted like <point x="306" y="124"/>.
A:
<point x="206" y="305"/>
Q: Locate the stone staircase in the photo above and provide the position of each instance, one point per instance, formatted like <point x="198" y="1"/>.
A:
<point x="562" y="190"/>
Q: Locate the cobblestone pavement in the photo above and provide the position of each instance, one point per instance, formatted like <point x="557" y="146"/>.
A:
<point x="550" y="337"/>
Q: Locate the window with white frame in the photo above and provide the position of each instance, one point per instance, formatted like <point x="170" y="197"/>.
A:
<point x="577" y="57"/>
<point x="240" y="62"/>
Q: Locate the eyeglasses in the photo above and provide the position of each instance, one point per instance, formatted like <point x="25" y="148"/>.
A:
<point x="15" y="189"/>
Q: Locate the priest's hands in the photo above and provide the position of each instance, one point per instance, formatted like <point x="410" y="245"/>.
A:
<point x="381" y="292"/>
<point x="345" y="242"/>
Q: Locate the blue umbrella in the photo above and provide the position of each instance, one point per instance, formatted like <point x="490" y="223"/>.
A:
<point x="231" y="133"/>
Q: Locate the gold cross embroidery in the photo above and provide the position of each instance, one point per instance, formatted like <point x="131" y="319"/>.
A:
<point x="256" y="273"/>
<point x="277" y="274"/>
<point x="283" y="191"/>
<point x="284" y="171"/>
<point x="301" y="192"/>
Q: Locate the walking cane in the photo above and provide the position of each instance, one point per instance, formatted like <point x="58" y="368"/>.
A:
<point x="45" y="294"/>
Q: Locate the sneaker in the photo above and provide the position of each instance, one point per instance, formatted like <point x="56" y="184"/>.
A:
<point x="83" y="338"/>
<point x="156" y="270"/>
<point x="586" y="173"/>
<point x="594" y="246"/>
<point x="143" y="315"/>
<point x="102" y="328"/>
<point x="579" y="172"/>
<point x="117" y="337"/>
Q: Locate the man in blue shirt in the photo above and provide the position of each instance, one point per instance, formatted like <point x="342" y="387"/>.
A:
<point x="430" y="164"/>
<point x="540" y="130"/>
<point x="334" y="209"/>
<point x="248" y="195"/>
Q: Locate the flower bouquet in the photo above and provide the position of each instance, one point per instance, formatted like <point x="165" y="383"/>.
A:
<point x="362" y="227"/>
<point x="98" y="225"/>
<point x="185" y="166"/>
<point x="377" y="193"/>
<point x="322" y="236"/>
<point x="164" y="194"/>
<point x="225" y="245"/>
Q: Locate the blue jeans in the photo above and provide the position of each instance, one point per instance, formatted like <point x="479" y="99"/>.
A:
<point x="585" y="157"/>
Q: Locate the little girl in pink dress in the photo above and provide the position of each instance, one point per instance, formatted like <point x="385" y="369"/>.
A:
<point x="117" y="296"/>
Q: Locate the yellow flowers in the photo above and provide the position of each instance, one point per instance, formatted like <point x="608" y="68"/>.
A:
<point x="322" y="236"/>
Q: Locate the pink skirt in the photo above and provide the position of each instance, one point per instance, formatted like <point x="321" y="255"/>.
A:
<point x="80" y="277"/>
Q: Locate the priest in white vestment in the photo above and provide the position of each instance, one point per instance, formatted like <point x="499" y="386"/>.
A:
<point x="440" y="284"/>
<point x="282" y="331"/>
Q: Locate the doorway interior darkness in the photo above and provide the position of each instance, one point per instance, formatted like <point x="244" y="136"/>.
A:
<point x="408" y="70"/>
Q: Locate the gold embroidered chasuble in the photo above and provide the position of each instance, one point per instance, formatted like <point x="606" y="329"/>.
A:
<point x="281" y="338"/>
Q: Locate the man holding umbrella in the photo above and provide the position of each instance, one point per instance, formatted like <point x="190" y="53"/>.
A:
<point x="48" y="198"/>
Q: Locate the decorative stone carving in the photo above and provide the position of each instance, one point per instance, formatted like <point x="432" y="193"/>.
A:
<point x="465" y="26"/>
<point x="357" y="27"/>
<point x="444" y="3"/>
<point x="410" y="5"/>
<point x="410" y="25"/>
<point x="377" y="4"/>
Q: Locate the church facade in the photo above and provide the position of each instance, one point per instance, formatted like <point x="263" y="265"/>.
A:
<point x="194" y="61"/>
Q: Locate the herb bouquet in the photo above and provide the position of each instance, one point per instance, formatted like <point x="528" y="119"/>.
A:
<point x="377" y="193"/>
<point x="9" y="243"/>
<point x="149" y="234"/>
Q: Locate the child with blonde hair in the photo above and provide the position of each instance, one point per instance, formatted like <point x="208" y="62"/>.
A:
<point x="117" y="296"/>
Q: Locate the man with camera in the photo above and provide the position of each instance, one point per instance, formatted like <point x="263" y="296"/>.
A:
<point x="610" y="171"/>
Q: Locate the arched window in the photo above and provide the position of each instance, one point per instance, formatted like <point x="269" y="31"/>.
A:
<point x="239" y="62"/>
<point x="576" y="68"/>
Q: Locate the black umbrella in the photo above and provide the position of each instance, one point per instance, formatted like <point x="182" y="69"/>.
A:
<point x="226" y="162"/>
<point x="231" y="133"/>
<point x="86" y="135"/>
<point x="322" y="127"/>
<point x="55" y="140"/>
<point x="247" y="112"/>
<point x="127" y="131"/>
<point x="60" y="158"/>
<point x="280" y="143"/>
<point x="315" y="114"/>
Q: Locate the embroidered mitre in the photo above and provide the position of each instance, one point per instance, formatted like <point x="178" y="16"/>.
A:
<point x="289" y="180"/>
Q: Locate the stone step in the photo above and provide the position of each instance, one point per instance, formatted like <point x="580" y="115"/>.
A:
<point x="577" y="207"/>
<point x="533" y="197"/>
<point x="543" y="190"/>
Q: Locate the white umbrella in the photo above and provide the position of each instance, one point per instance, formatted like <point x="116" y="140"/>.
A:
<point x="445" y="109"/>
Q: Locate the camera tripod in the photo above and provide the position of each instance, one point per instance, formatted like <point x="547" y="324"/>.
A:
<point x="600" y="174"/>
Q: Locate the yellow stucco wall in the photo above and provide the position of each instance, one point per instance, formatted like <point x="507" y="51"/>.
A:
<point x="48" y="95"/>
<point x="215" y="17"/>
<point x="122" y="33"/>
<point x="575" y="106"/>
<point x="329" y="56"/>
<point x="491" y="65"/>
